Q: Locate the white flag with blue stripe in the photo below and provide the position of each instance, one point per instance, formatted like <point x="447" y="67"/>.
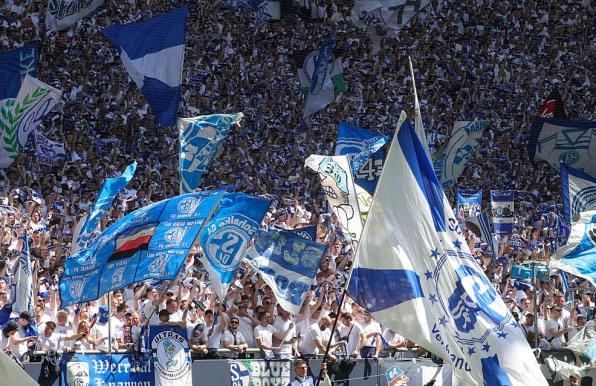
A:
<point x="24" y="280"/>
<point x="416" y="275"/>
<point x="111" y="187"/>
<point x="579" y="192"/>
<point x="153" y="53"/>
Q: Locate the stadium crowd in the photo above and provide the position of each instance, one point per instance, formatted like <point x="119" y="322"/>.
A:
<point x="474" y="59"/>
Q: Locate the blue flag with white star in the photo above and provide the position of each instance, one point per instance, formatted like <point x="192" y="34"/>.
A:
<point x="416" y="275"/>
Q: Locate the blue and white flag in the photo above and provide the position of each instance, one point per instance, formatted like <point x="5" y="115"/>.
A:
<point x="418" y="277"/>
<point x="14" y="65"/>
<point x="321" y="91"/>
<point x="579" y="192"/>
<point x="149" y="243"/>
<point x="111" y="187"/>
<point x="20" y="116"/>
<point x="578" y="256"/>
<point x="469" y="203"/>
<point x="153" y="53"/>
<point x="200" y="139"/>
<point x="61" y="14"/>
<point x="307" y="233"/>
<point x="560" y="141"/>
<point x="227" y="236"/>
<point x="48" y="152"/>
<point x="451" y="161"/>
<point x="502" y="205"/>
<point x="352" y="140"/>
<point x="371" y="146"/>
<point x="288" y="264"/>
<point x="480" y="226"/>
<point x="24" y="281"/>
<point x="433" y="139"/>
<point x="262" y="14"/>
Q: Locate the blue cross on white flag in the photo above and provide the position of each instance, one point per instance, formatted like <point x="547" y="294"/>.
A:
<point x="153" y="52"/>
<point x="416" y="275"/>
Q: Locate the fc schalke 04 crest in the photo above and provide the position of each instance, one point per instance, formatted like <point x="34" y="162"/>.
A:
<point x="227" y="239"/>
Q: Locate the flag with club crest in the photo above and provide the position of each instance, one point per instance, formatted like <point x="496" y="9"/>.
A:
<point x="153" y="53"/>
<point x="416" y="275"/>
<point x="502" y="205"/>
<point x="469" y="203"/>
<point x="111" y="187"/>
<point x="579" y="192"/>
<point x="200" y="139"/>
<point x="48" y="152"/>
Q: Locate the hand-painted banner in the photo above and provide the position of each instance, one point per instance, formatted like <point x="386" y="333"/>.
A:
<point x="227" y="236"/>
<point x="171" y="356"/>
<point x="469" y="203"/>
<point x="105" y="369"/>
<point x="451" y="161"/>
<point x="288" y="263"/>
<point x="502" y="203"/>
<point x="48" y="152"/>
<point x="149" y="243"/>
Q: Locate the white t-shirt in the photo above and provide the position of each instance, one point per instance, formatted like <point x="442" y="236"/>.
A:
<point x="246" y="327"/>
<point x="265" y="335"/>
<point x="229" y="337"/>
<point x="353" y="337"/>
<point x="281" y="326"/>
<point x="308" y="346"/>
<point x="214" y="340"/>
<point x="554" y="326"/>
<point x="49" y="342"/>
<point x="373" y="326"/>
<point x="146" y="309"/>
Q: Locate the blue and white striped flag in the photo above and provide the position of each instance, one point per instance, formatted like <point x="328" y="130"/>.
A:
<point x="111" y="187"/>
<point x="480" y="226"/>
<point x="24" y="281"/>
<point x="48" y="152"/>
<point x="200" y="138"/>
<point x="153" y="53"/>
<point x="371" y="146"/>
<point x="417" y="276"/>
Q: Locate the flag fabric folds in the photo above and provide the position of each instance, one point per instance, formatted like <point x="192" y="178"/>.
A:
<point x="578" y="256"/>
<point x="288" y="263"/>
<point x="227" y="236"/>
<point x="416" y="275"/>
<point x="325" y="74"/>
<point x="20" y="116"/>
<point x="579" y="192"/>
<point x="561" y="141"/>
<point x="308" y="233"/>
<point x="480" y="226"/>
<point x="336" y="178"/>
<point x="351" y="141"/>
<point x="111" y="187"/>
<point x="502" y="205"/>
<point x="450" y="162"/>
<point x="200" y="139"/>
<point x="153" y="53"/>
<point x="48" y="152"/>
<point x="149" y="243"/>
<point x="24" y="280"/>
<point x="469" y="203"/>
<point x="61" y="14"/>
<point x="14" y="65"/>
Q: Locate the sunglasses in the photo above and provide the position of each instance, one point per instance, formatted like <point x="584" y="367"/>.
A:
<point x="234" y="322"/>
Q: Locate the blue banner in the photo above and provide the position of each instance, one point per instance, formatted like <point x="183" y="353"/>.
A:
<point x="171" y="356"/>
<point x="352" y="140"/>
<point x="111" y="187"/>
<point x="200" y="138"/>
<point x="104" y="369"/>
<point x="469" y="203"/>
<point x="502" y="211"/>
<point x="308" y="233"/>
<point x="14" y="65"/>
<point x="152" y="52"/>
<point x="562" y="141"/>
<point x="288" y="264"/>
<point x="228" y="234"/>
<point x="149" y="243"/>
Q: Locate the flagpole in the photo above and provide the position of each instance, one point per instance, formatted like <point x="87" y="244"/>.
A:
<point x="418" y="127"/>
<point x="110" y="324"/>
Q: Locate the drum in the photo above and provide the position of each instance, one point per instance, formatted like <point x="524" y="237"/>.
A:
<point x="520" y="271"/>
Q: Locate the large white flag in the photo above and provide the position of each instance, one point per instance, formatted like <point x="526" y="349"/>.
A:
<point x="21" y="115"/>
<point x="338" y="185"/>
<point x="61" y="14"/>
<point x="416" y="275"/>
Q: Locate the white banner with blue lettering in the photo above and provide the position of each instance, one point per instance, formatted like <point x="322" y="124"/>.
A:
<point x="578" y="256"/>
<point x="111" y="187"/>
<point x="61" y="14"/>
<point x="469" y="203"/>
<point x="149" y="243"/>
<point x="48" y="152"/>
<point x="579" y="192"/>
<point x="152" y="52"/>
<point x="502" y="204"/>
<point x="450" y="162"/>
<point x="227" y="236"/>
<point x="419" y="278"/>
<point x="200" y="138"/>
<point x="288" y="264"/>
<point x="352" y="140"/>
<point x="560" y="141"/>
